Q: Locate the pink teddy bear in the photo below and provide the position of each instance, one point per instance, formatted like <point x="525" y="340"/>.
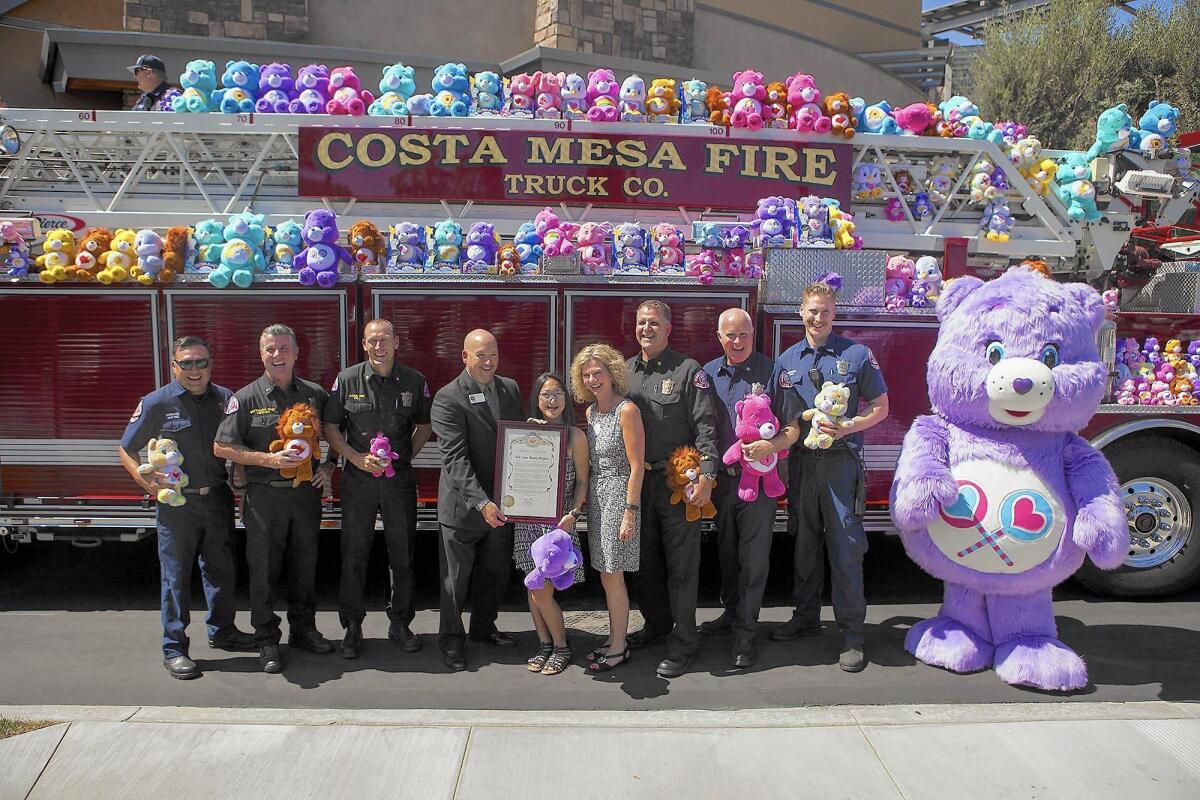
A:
<point x="549" y="94"/>
<point x="805" y="99"/>
<point x="602" y="94"/>
<point x="592" y="251"/>
<point x="346" y="94"/>
<point x="668" y="247"/>
<point x="914" y="118"/>
<point x="746" y="99"/>
<point x="555" y="241"/>
<point x="381" y="448"/>
<point x="522" y="91"/>
<point x="755" y="421"/>
<point x="705" y="265"/>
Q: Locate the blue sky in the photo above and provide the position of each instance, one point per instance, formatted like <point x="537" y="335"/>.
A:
<point x="958" y="38"/>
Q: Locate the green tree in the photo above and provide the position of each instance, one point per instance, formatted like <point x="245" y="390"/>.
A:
<point x="1057" y="68"/>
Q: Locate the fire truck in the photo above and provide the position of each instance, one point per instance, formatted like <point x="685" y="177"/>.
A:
<point x="77" y="357"/>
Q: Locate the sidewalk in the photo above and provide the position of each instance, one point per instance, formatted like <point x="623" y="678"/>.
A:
<point x="1026" y="750"/>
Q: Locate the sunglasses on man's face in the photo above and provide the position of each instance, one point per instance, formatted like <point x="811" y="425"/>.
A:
<point x="192" y="363"/>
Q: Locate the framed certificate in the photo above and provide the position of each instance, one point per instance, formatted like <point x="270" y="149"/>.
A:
<point x="531" y="466"/>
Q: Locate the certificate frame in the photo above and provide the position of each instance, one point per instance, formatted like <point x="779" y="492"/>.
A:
<point x="525" y="449"/>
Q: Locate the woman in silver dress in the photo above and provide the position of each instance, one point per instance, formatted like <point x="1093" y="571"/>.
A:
<point x="549" y="404"/>
<point x="616" y="443"/>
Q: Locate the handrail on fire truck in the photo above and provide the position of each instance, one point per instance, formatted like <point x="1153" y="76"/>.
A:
<point x="138" y="169"/>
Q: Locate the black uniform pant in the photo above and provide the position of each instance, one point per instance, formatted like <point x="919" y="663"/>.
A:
<point x="282" y="526"/>
<point x="395" y="499"/>
<point x="821" y="492"/>
<point x="477" y="562"/>
<point x="669" y="576"/>
<point x="744" y="532"/>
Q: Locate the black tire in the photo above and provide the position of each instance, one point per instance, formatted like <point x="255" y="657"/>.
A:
<point x="1175" y="468"/>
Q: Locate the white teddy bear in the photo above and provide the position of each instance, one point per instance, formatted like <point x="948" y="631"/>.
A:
<point x="829" y="406"/>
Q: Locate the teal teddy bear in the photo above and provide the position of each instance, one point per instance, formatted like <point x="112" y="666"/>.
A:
<point x="241" y="255"/>
<point x="287" y="241"/>
<point x="395" y="87"/>
<point x="487" y="92"/>
<point x="1075" y="187"/>
<point x="240" y="82"/>
<point x="198" y="80"/>
<point x="450" y="91"/>
<point x="1113" y="128"/>
<point x="209" y="236"/>
<point x="1155" y="127"/>
<point x="445" y="246"/>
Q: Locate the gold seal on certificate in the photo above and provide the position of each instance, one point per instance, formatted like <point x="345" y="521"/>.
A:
<point x="531" y="463"/>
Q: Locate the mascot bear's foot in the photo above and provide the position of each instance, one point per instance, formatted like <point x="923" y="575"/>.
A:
<point x="1042" y="662"/>
<point x="944" y="642"/>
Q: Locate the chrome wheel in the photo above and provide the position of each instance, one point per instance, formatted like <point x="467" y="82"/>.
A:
<point x="1160" y="521"/>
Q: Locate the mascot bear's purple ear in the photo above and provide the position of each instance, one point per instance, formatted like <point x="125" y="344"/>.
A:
<point x="953" y="293"/>
<point x="1090" y="301"/>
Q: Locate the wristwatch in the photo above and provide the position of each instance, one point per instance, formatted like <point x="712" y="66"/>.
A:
<point x="575" y="513"/>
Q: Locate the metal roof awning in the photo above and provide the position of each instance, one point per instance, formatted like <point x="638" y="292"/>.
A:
<point x="78" y="60"/>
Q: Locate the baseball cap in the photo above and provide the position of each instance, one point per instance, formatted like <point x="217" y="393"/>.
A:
<point x="147" y="60"/>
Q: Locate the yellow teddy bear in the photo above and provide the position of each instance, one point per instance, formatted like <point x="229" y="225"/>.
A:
<point x="830" y="405"/>
<point x="165" y="458"/>
<point x="120" y="258"/>
<point x="662" y="104"/>
<point x="58" y="253"/>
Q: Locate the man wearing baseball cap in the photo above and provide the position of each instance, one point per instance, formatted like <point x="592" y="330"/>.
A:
<point x="151" y="75"/>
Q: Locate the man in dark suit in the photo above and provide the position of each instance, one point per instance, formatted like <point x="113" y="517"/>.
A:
<point x="476" y="539"/>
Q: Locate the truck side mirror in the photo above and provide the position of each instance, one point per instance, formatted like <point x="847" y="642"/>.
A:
<point x="10" y="140"/>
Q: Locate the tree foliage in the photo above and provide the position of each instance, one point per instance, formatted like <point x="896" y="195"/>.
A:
<point x="1056" y="69"/>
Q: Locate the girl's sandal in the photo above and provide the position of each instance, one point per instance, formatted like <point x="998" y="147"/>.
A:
<point x="601" y="664"/>
<point x="536" y="663"/>
<point x="599" y="652"/>
<point x="559" y="660"/>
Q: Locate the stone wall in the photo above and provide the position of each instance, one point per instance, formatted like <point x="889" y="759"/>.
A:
<point x="649" y="30"/>
<point x="268" y="20"/>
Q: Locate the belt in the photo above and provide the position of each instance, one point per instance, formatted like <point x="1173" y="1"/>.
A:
<point x="284" y="484"/>
<point x="203" y="490"/>
<point x="827" y="453"/>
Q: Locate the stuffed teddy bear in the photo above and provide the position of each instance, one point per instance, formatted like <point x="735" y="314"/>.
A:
<point x="555" y="558"/>
<point x="683" y="472"/>
<point x="287" y="240"/>
<point x="381" y="448"/>
<point x="830" y="405"/>
<point x="529" y="247"/>
<point x="175" y="252"/>
<point x="90" y="255"/>
<point x="549" y="228"/>
<point x="57" y="261"/>
<point x="445" y="246"/>
<point x="913" y="118"/>
<point x="312" y="83"/>
<point x="927" y="269"/>
<point x="705" y="265"/>
<point x="1075" y="187"/>
<point x="347" y="97"/>
<point x="1155" y="128"/>
<point x="164" y="458"/>
<point x="997" y="220"/>
<point x="630" y="249"/>
<point x="451" y="91"/>
<point x="866" y="182"/>
<point x="842" y="121"/>
<point x="668" y="249"/>
<point x="603" y="96"/>
<point x="591" y="244"/>
<point x="318" y="262"/>
<point x="773" y="224"/>
<point x="276" y="89"/>
<point x="119" y="259"/>
<point x="482" y="242"/>
<point x="755" y="421"/>
<point x="1114" y="127"/>
<point x="366" y="246"/>
<point x="745" y="100"/>
<point x="995" y="493"/>
<point x="14" y="249"/>
<point x="548" y="99"/>
<point x="776" y="109"/>
<point x="407" y="242"/>
<point x="805" y="99"/>
<point x="574" y="96"/>
<point x="693" y="103"/>
<point x="148" y="247"/>
<point x="199" y="81"/>
<point x="633" y="99"/>
<point x="508" y="260"/>
<point x="814" y="227"/>
<point x="522" y="94"/>
<point x="298" y="431"/>
<point x="209" y="237"/>
<point x="717" y="102"/>
<point x="841" y="223"/>
<point x="239" y="89"/>
<point x="487" y="93"/>
<point x="241" y="251"/>
<point x="662" y="105"/>
<point x="396" y="85"/>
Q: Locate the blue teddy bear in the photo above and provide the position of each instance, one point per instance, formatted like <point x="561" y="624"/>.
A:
<point x="209" y="235"/>
<point x="529" y="247"/>
<point x="487" y="92"/>
<point x="199" y="80"/>
<point x="445" y="247"/>
<point x="1155" y="127"/>
<point x="288" y="240"/>
<point x="708" y="234"/>
<point x="1113" y="128"/>
<point x="450" y="91"/>
<point x="240" y="82"/>
<point x="1075" y="187"/>
<point x="395" y="87"/>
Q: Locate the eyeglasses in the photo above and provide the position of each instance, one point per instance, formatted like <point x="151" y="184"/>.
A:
<point x="191" y="363"/>
<point x="552" y="396"/>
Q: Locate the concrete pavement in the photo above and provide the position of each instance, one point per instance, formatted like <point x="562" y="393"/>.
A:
<point x="1059" y="750"/>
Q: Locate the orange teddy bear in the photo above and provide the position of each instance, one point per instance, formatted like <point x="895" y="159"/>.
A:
<point x="175" y="247"/>
<point x="92" y="247"/>
<point x="837" y="108"/>
<point x="682" y="477"/>
<point x="297" y="429"/>
<point x="366" y="246"/>
<point x="776" y="106"/>
<point x="508" y="259"/>
<point x="718" y="106"/>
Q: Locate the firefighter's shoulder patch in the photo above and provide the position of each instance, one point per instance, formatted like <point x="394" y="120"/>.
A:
<point x="232" y="406"/>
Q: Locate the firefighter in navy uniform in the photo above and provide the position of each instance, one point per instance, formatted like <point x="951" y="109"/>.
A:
<point x="745" y="529"/>
<point x="378" y="396"/>
<point x="826" y="488"/>
<point x="283" y="523"/>
<point x="672" y="393"/>
<point x="188" y="411"/>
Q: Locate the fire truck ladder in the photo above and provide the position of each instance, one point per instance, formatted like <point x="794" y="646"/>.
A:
<point x="137" y="169"/>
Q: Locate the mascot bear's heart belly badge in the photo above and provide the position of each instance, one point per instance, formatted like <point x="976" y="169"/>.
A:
<point x="1004" y="520"/>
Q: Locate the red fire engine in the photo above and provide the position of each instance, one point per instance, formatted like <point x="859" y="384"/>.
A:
<point x="76" y="358"/>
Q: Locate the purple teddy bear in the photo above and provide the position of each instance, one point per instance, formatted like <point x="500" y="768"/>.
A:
<point x="318" y="262"/>
<point x="276" y="89"/>
<point x="312" y="82"/>
<point x="995" y="493"/>
<point x="481" y="246"/>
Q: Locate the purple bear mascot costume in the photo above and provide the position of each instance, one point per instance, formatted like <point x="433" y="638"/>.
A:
<point x="995" y="492"/>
